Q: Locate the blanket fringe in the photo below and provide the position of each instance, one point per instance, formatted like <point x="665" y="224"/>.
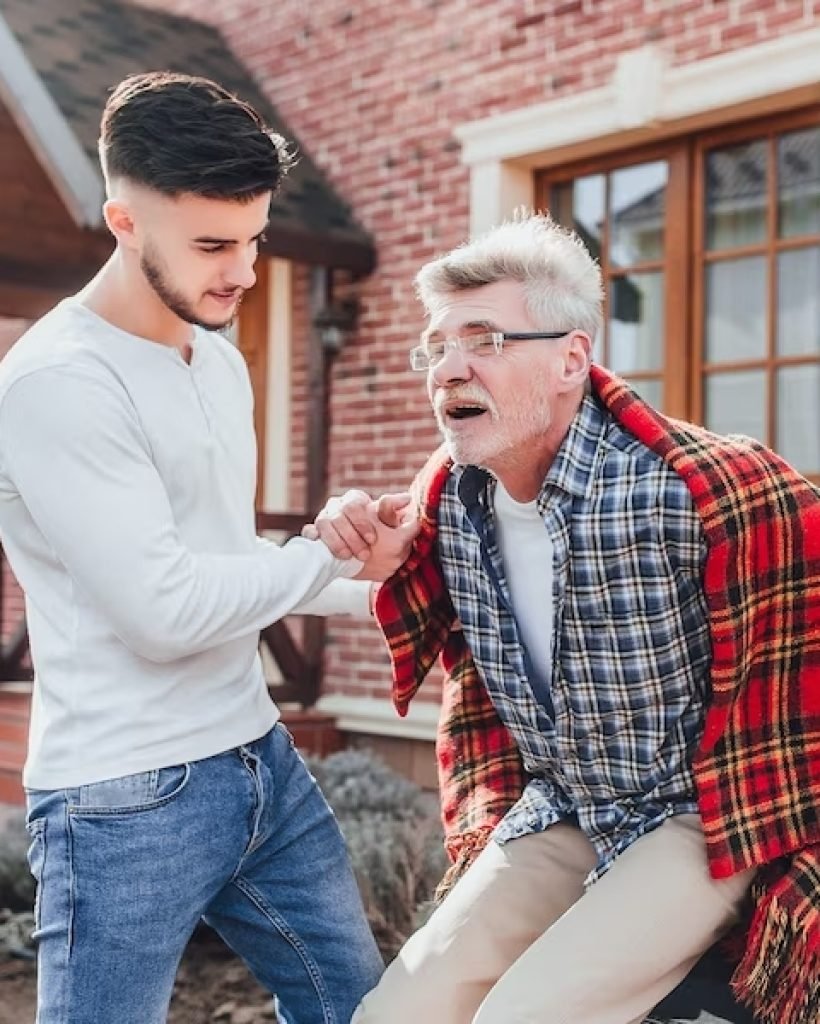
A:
<point x="462" y="850"/>
<point x="779" y="975"/>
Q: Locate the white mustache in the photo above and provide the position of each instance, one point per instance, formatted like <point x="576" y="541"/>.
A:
<point x="467" y="393"/>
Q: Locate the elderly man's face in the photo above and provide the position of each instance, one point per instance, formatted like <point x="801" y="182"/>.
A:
<point x="496" y="410"/>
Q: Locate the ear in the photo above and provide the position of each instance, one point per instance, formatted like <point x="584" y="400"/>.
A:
<point x="120" y="220"/>
<point x="576" y="362"/>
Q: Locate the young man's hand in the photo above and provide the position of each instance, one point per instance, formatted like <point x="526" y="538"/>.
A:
<point x="379" y="532"/>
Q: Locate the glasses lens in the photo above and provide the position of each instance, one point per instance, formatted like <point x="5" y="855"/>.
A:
<point x="418" y="359"/>
<point x="488" y="344"/>
<point x="435" y="351"/>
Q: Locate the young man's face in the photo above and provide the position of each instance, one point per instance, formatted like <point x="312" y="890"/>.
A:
<point x="198" y="254"/>
<point x="495" y="410"/>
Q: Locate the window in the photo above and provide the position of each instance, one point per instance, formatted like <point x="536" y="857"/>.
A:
<point x="710" y="252"/>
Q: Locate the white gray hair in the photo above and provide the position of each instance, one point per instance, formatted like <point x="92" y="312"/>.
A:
<point x="562" y="281"/>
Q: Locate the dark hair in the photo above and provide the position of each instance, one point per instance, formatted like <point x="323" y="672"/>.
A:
<point x="180" y="134"/>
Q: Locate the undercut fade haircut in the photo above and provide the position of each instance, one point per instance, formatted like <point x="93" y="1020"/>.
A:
<point x="562" y="281"/>
<point x="179" y="134"/>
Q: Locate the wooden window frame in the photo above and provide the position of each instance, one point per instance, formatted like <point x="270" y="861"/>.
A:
<point x="684" y="370"/>
<point x="674" y="262"/>
<point x="767" y="129"/>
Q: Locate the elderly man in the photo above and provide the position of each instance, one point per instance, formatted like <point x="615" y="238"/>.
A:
<point x="627" y="610"/>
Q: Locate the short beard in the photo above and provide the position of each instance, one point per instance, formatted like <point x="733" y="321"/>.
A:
<point x="173" y="300"/>
<point x="515" y="435"/>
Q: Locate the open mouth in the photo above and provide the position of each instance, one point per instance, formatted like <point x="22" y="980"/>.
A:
<point x="464" y="412"/>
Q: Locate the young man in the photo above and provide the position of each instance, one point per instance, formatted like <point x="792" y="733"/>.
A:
<point x="161" y="788"/>
<point x="627" y="611"/>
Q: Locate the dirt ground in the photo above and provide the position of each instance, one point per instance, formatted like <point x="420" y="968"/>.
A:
<point x="213" y="987"/>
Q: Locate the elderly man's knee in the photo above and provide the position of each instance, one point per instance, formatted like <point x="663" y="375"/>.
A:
<point x="393" y="1001"/>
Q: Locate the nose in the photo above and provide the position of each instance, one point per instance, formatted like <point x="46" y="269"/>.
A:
<point x="242" y="274"/>
<point x="455" y="366"/>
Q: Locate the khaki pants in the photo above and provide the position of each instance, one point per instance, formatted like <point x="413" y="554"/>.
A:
<point x="518" y="941"/>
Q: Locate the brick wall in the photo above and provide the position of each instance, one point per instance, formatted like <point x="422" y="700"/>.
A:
<point x="12" y="597"/>
<point x="373" y="90"/>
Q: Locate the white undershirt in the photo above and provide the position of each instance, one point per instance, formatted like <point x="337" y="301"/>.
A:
<point x="526" y="553"/>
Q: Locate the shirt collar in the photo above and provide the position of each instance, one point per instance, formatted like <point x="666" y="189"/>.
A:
<point x="576" y="462"/>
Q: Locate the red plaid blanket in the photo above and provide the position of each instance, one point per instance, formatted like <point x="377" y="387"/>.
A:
<point x="758" y="765"/>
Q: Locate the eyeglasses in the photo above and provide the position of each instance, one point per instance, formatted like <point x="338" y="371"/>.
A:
<point x="489" y="343"/>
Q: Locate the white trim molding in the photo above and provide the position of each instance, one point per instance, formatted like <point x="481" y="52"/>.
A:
<point x="377" y="717"/>
<point x="647" y="99"/>
<point x="75" y="177"/>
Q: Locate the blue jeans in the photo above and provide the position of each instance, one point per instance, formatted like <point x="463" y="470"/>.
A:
<point x="127" y="867"/>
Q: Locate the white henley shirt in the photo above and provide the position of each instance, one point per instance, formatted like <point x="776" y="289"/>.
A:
<point x="127" y="481"/>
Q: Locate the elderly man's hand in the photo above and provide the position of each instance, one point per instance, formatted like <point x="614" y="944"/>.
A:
<point x="379" y="533"/>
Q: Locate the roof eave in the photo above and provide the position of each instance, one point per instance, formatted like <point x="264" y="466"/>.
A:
<point x="77" y="181"/>
<point x="290" y="242"/>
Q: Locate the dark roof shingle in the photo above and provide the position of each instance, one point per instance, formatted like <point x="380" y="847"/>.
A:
<point x="82" y="48"/>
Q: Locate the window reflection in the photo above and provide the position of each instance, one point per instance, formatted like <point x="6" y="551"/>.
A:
<point x="637" y="209"/>
<point x="736" y="195"/>
<point x="636" y="307"/>
<point x="736" y="310"/>
<point x="650" y="391"/>
<point x="798" y="302"/>
<point x="798" y="183"/>
<point x="736" y="403"/>
<point x="580" y="204"/>
<point x="798" y="417"/>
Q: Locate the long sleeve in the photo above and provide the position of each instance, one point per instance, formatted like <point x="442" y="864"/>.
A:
<point x="75" y="452"/>
<point x="341" y="597"/>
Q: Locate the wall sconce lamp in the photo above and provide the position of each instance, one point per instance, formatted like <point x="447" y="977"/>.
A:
<point x="335" y="322"/>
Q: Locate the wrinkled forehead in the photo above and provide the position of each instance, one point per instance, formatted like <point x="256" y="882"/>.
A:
<point x="498" y="306"/>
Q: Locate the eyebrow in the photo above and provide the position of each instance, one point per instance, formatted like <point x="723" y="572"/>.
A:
<point x="487" y="325"/>
<point x="209" y="240"/>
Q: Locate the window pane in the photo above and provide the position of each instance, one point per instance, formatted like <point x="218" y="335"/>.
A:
<point x="798" y="183"/>
<point x="798" y="417"/>
<point x="637" y="209"/>
<point x="736" y="403"/>
<point x="736" y="310"/>
<point x="798" y="302"/>
<point x="636" y="322"/>
<point x="736" y="195"/>
<point x="651" y="391"/>
<point x="580" y="205"/>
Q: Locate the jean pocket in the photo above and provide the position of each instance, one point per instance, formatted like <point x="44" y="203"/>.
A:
<point x="283" y="730"/>
<point x="37" y="862"/>
<point x="130" y="794"/>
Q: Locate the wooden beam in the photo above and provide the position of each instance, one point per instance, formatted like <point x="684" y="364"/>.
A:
<point x="287" y="522"/>
<point x="288" y="657"/>
<point x="292" y="242"/>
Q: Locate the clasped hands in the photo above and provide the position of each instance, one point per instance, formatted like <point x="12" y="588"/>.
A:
<point x="379" y="532"/>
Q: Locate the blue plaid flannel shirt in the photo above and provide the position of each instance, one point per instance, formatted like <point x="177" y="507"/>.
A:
<point x="609" y="745"/>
